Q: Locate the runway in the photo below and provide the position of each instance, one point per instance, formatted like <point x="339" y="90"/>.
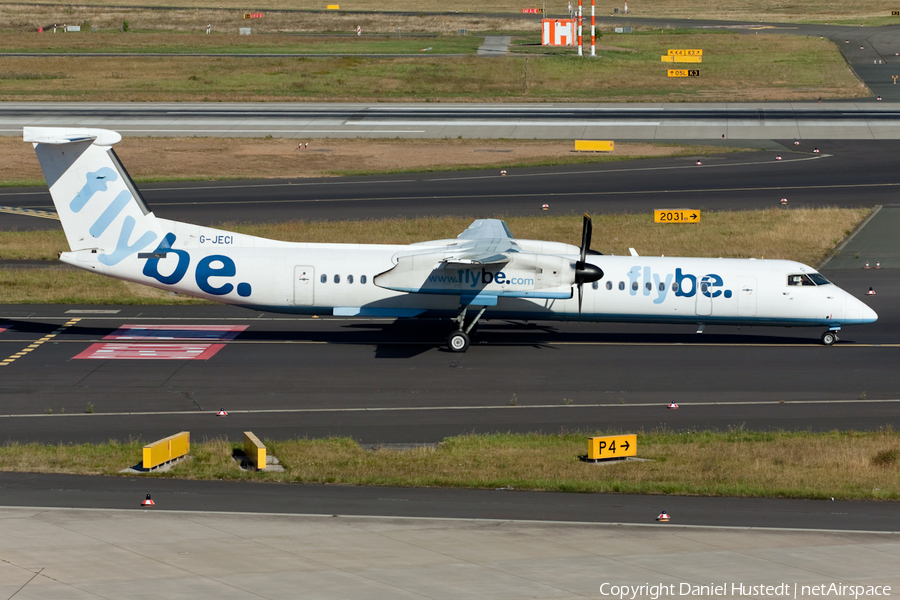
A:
<point x="709" y="121"/>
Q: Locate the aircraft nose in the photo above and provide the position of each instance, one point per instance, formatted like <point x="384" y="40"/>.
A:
<point x="868" y="315"/>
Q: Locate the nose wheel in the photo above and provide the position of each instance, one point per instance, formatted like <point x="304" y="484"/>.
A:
<point x="829" y="338"/>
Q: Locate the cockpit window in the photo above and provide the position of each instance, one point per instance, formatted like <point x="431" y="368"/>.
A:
<point x="799" y="279"/>
<point x="818" y="279"/>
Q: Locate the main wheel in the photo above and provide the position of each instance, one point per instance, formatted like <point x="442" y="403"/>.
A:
<point x="458" y="341"/>
<point x="829" y="337"/>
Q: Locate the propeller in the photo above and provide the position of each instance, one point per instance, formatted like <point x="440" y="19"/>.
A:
<point x="585" y="272"/>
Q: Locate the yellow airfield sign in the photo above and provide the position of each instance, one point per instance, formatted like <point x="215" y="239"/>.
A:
<point x="683" y="72"/>
<point x="681" y="59"/>
<point x="612" y="446"/>
<point x="686" y="52"/>
<point x="677" y="215"/>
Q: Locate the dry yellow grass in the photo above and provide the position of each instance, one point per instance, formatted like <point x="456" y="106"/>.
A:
<point x="28" y="18"/>
<point x="843" y="465"/>
<point x="802" y="234"/>
<point x="65" y="285"/>
<point x="236" y="158"/>
<point x="856" y="11"/>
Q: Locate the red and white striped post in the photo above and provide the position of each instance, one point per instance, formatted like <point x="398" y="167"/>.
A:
<point x="580" y="51"/>
<point x="593" y="38"/>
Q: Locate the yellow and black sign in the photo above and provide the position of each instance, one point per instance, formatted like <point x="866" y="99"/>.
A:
<point x="686" y="52"/>
<point x="681" y="59"/>
<point x="678" y="215"/>
<point x="683" y="72"/>
<point x="612" y="446"/>
<point x="895" y="13"/>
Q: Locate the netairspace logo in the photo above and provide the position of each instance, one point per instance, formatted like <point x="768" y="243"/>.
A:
<point x="780" y="590"/>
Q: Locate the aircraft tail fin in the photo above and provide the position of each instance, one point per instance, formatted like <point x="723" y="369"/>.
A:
<point x="99" y="207"/>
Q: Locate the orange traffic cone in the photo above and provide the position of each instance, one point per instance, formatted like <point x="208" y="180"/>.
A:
<point x="672" y="405"/>
<point x="148" y="501"/>
<point x="783" y="201"/>
<point x="663" y="517"/>
<point x="222" y="413"/>
<point x="698" y="163"/>
<point x="871" y="292"/>
<point x="777" y="157"/>
<point x="815" y="150"/>
<point x="867" y="265"/>
<point x="877" y="264"/>
<point x="545" y="207"/>
<point x="503" y="172"/>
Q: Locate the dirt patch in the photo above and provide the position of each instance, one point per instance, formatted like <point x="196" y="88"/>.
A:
<point x="223" y="158"/>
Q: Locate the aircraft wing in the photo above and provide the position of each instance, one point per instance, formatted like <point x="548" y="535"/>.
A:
<point x="501" y="267"/>
<point x="488" y="242"/>
<point x="483" y="229"/>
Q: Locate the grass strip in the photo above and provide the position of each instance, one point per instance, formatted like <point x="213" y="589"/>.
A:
<point x="844" y="465"/>
<point x="803" y="234"/>
<point x="736" y="68"/>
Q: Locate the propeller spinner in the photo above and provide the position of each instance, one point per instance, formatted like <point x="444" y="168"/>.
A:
<point x="585" y="272"/>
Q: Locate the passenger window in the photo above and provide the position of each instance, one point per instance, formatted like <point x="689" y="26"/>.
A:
<point x="337" y="278"/>
<point x="662" y="286"/>
<point x="621" y="285"/>
<point x="362" y="279"/>
<point x="595" y="286"/>
<point x="323" y="278"/>
<point x="674" y="286"/>
<point x="634" y="285"/>
<point x="609" y="285"/>
<point x="704" y="287"/>
<point x="649" y="286"/>
<point x="349" y="278"/>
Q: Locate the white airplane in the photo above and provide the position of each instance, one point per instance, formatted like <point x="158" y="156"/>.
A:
<point x="484" y="273"/>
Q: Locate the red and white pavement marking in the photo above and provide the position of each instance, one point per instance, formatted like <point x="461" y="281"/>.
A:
<point x="176" y="332"/>
<point x="124" y="351"/>
<point x="127" y="342"/>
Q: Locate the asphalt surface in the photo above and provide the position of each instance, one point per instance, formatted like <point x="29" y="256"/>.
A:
<point x="39" y="490"/>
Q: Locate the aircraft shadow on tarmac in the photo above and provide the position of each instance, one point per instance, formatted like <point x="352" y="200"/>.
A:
<point x="406" y="339"/>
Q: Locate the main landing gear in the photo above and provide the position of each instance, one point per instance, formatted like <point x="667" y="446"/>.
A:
<point x="830" y="337"/>
<point x="458" y="340"/>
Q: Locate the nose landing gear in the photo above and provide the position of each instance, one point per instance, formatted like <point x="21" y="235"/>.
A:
<point x="830" y="337"/>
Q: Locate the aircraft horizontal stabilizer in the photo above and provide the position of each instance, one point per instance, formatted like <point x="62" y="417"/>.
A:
<point x="68" y="135"/>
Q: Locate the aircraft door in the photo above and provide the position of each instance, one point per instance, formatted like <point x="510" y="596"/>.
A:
<point x="747" y="295"/>
<point x="704" y="301"/>
<point x="304" y="285"/>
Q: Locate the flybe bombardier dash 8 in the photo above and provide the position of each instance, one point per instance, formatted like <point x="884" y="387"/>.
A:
<point x="485" y="273"/>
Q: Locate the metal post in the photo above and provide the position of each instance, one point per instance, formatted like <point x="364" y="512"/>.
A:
<point x="593" y="38"/>
<point x="580" y="51"/>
